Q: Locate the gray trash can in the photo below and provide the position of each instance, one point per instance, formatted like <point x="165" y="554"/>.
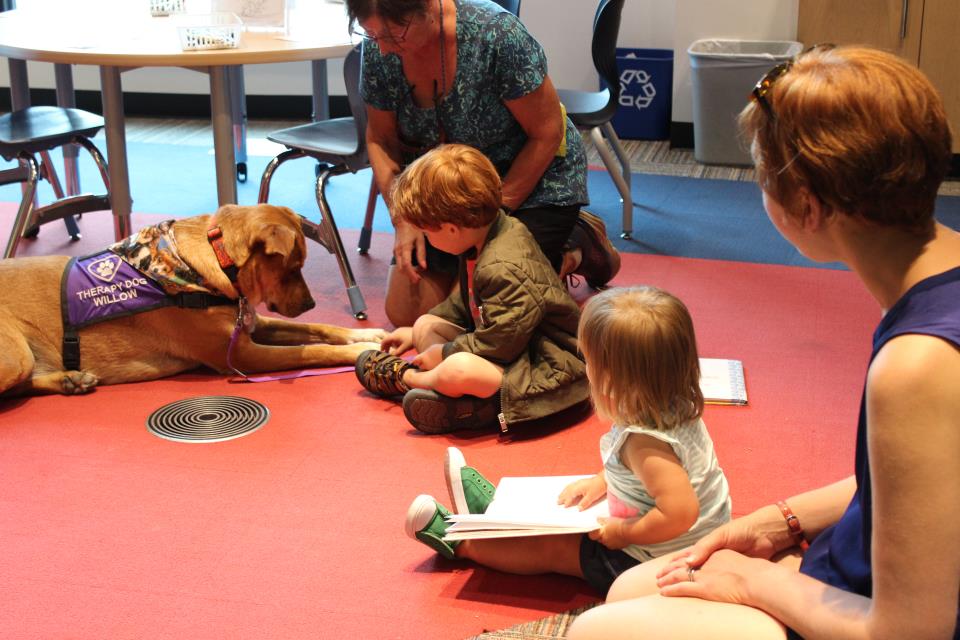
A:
<point x="723" y="73"/>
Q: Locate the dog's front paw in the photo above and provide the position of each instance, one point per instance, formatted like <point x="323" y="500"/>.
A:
<point x="367" y="335"/>
<point x="77" y="382"/>
<point x="359" y="347"/>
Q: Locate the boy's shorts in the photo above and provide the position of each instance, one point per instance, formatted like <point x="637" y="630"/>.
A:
<point x="601" y="566"/>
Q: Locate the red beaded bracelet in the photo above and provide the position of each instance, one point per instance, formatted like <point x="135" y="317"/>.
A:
<point x="793" y="523"/>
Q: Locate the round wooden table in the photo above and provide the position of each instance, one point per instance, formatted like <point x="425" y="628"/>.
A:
<point x="129" y="38"/>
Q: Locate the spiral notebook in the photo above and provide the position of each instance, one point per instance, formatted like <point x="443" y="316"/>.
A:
<point x="722" y="381"/>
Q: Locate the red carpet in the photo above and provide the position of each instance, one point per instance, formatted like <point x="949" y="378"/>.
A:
<point x="295" y="531"/>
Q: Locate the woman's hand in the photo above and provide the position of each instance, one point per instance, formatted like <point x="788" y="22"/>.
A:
<point x="757" y="535"/>
<point x="723" y="578"/>
<point x="398" y="341"/>
<point x="429" y="358"/>
<point x="584" y="493"/>
<point x="407" y="242"/>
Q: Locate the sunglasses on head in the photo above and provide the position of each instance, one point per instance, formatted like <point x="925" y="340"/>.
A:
<point x="765" y="85"/>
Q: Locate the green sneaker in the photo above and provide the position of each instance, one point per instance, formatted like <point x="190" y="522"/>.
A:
<point x="469" y="491"/>
<point x="426" y="522"/>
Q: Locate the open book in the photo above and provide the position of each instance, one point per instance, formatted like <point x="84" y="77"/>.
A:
<point x="722" y="381"/>
<point x="527" y="507"/>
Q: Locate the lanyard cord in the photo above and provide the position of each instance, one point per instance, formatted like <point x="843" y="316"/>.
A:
<point x="439" y="95"/>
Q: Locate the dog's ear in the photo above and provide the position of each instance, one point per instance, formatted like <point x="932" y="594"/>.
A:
<point x="278" y="240"/>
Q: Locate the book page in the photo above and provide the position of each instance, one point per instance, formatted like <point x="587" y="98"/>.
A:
<point x="527" y="506"/>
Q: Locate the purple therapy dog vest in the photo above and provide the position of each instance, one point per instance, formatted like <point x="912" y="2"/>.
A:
<point x="103" y="286"/>
<point x="107" y="285"/>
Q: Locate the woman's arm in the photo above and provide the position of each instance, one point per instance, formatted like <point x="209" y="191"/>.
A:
<point x="540" y="116"/>
<point x="383" y="150"/>
<point x="913" y="409"/>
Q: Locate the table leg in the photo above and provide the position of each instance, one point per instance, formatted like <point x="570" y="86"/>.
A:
<point x="115" y="130"/>
<point x="321" y="103"/>
<point x="238" y="108"/>
<point x="225" y="160"/>
<point x="19" y="85"/>
<point x="71" y="172"/>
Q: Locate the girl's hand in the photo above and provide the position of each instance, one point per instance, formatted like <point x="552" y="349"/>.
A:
<point x="407" y="242"/>
<point x="430" y="358"/>
<point x="398" y="341"/>
<point x="611" y="534"/>
<point x="584" y="493"/>
<point x="723" y="578"/>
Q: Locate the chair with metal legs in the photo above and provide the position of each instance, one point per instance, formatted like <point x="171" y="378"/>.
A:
<point x="593" y="110"/>
<point x="339" y="145"/>
<point x="38" y="130"/>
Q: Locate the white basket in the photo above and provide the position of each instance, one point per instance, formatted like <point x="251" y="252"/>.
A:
<point x="167" y="7"/>
<point x="210" y="31"/>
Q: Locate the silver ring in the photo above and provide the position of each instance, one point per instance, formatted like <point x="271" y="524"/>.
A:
<point x="690" y="572"/>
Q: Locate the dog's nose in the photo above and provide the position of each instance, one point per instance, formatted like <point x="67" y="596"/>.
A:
<point x="308" y="304"/>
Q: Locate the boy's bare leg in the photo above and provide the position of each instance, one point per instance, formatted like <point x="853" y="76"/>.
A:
<point x="526" y="555"/>
<point x="429" y="330"/>
<point x="459" y="374"/>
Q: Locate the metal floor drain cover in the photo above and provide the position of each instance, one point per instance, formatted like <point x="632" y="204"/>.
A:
<point x="208" y="419"/>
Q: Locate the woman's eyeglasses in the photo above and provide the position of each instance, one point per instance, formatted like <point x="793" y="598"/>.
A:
<point x="388" y="37"/>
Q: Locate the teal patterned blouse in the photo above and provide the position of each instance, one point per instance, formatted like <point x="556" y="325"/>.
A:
<point x="497" y="60"/>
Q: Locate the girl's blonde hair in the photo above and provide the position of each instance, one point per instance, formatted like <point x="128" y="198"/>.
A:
<point x="860" y="129"/>
<point x="452" y="183"/>
<point x="641" y="354"/>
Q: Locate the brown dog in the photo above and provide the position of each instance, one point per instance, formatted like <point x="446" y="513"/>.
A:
<point x="267" y="247"/>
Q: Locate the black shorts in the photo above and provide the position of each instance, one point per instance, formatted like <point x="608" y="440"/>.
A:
<point x="550" y="226"/>
<point x="601" y="566"/>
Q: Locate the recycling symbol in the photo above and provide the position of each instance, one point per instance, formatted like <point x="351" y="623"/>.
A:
<point x="640" y="99"/>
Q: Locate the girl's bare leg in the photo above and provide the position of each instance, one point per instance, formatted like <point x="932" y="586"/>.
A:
<point x="526" y="555"/>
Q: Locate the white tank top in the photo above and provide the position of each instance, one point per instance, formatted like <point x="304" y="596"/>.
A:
<point x="627" y="496"/>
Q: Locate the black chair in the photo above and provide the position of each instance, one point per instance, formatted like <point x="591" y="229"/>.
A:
<point x="513" y="6"/>
<point x="339" y="145"/>
<point x="38" y="130"/>
<point x="593" y="110"/>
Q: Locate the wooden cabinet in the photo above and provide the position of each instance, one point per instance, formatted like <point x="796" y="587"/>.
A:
<point x="925" y="32"/>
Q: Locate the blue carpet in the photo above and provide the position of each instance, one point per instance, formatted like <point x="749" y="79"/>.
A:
<point x="685" y="217"/>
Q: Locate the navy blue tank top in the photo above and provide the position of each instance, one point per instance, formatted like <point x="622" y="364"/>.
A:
<point x="840" y="555"/>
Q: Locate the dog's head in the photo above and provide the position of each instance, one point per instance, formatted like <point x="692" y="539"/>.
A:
<point x="267" y="245"/>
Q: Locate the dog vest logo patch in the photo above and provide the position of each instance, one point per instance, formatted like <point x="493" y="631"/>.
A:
<point x="105" y="268"/>
<point x="103" y="286"/>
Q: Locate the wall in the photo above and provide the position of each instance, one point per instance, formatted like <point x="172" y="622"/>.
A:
<point x="662" y="24"/>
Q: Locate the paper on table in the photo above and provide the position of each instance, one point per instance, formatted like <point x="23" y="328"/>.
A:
<point x="525" y="507"/>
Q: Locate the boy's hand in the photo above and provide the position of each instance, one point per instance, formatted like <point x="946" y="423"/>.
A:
<point x="429" y="358"/>
<point x="584" y="493"/>
<point x="398" y="341"/>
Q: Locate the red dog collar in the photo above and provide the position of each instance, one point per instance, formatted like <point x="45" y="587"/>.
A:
<point x="215" y="237"/>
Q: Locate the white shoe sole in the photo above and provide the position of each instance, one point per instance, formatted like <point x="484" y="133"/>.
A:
<point x="451" y="469"/>
<point x="419" y="515"/>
